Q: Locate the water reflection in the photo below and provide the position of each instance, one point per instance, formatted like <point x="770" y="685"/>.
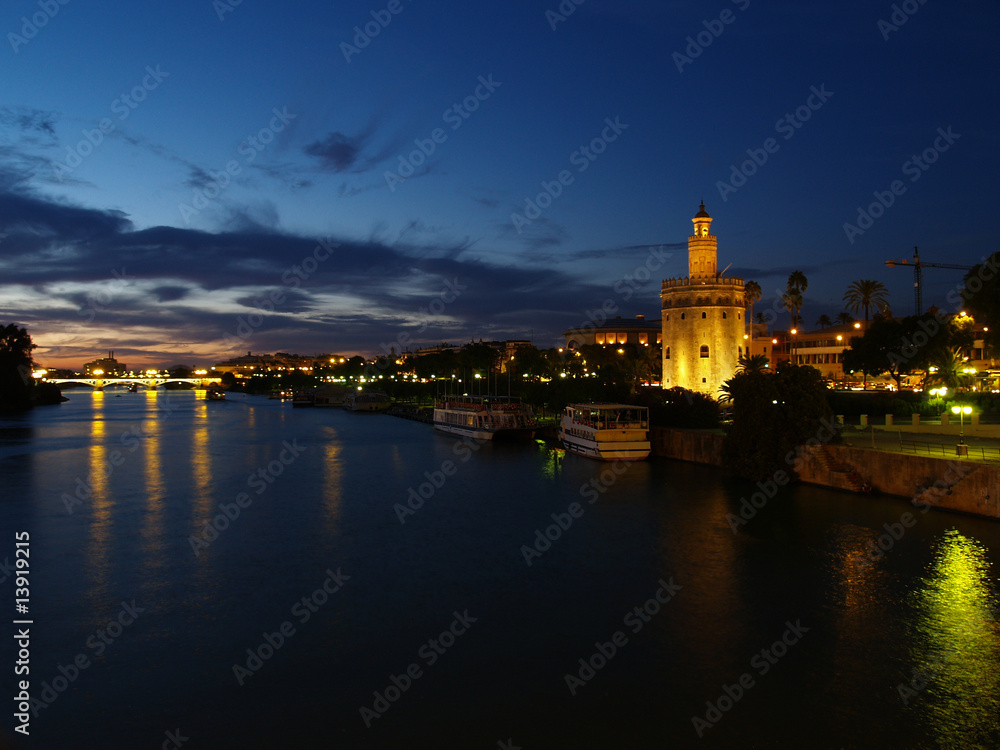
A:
<point x="201" y="467"/>
<point x="959" y="639"/>
<point x="332" y="477"/>
<point x="101" y="522"/>
<point x="152" y="528"/>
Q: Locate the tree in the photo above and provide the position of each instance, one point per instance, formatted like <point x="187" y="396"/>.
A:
<point x="824" y="321"/>
<point x="899" y="347"/>
<point x="865" y="294"/>
<point x="792" y="300"/>
<point x="772" y="415"/>
<point x="793" y="296"/>
<point x="844" y="319"/>
<point x="15" y="368"/>
<point x="981" y="297"/>
<point x="751" y="293"/>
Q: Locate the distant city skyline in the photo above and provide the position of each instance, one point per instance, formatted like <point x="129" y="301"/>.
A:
<point x="345" y="178"/>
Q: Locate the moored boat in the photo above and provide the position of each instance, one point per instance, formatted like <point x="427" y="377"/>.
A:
<point x="608" y="432"/>
<point x="484" y="417"/>
<point x="367" y="401"/>
<point x="215" y="394"/>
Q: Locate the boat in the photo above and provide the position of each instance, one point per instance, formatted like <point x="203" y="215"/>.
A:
<point x="367" y="401"/>
<point x="330" y="396"/>
<point x="484" y="417"/>
<point x="302" y="398"/>
<point x="215" y="394"/>
<point x="608" y="432"/>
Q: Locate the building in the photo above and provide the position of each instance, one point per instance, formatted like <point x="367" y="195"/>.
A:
<point x="637" y="330"/>
<point x="702" y="323"/>
<point x="107" y="366"/>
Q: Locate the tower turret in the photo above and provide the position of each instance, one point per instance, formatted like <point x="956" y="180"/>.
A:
<point x="702" y="246"/>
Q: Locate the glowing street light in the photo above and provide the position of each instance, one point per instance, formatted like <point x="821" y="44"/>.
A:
<point x="961" y="449"/>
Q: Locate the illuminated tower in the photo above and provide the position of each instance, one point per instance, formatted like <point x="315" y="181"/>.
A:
<point x="703" y="322"/>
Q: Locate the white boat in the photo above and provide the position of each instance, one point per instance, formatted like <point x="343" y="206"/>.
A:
<point x="484" y="417"/>
<point x="609" y="432"/>
<point x="370" y="401"/>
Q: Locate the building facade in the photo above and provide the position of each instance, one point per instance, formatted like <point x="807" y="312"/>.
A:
<point x="702" y="323"/>
<point x="637" y="331"/>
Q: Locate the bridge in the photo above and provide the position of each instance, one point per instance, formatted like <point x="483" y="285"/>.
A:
<point x="149" y="382"/>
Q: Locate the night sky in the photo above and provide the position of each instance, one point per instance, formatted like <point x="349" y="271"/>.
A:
<point x="182" y="182"/>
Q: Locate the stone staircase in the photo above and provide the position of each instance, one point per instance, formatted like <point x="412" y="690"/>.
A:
<point x="829" y="462"/>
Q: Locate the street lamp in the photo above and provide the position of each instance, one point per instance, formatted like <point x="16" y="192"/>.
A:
<point x="961" y="449"/>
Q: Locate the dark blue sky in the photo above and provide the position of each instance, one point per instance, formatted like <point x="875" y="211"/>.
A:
<point x="231" y="139"/>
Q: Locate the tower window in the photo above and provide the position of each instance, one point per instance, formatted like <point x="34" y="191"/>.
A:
<point x="723" y="316"/>
<point x="666" y="354"/>
<point x="704" y="315"/>
<point x="704" y="352"/>
<point x="682" y="316"/>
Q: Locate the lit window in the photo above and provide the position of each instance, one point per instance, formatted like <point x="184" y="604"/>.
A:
<point x="599" y="338"/>
<point x="643" y="339"/>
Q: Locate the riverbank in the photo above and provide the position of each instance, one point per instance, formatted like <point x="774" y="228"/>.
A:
<point x="957" y="484"/>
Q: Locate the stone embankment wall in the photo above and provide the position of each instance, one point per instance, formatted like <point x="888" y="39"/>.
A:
<point x="957" y="484"/>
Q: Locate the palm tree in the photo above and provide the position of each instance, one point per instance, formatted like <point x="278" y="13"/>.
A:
<point x="865" y="294"/>
<point x="797" y="285"/>
<point x="844" y="319"/>
<point x="798" y="280"/>
<point x="756" y="363"/>
<point x="751" y="293"/>
<point x="824" y="321"/>
<point x="792" y="300"/>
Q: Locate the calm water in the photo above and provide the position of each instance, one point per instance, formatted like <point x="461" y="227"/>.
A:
<point x="159" y="465"/>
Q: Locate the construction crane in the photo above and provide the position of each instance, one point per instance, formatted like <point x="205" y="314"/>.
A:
<point x="918" y="274"/>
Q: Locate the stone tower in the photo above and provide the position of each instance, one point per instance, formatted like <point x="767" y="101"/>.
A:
<point x="703" y="322"/>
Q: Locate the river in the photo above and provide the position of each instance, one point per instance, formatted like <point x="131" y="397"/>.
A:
<point x="242" y="574"/>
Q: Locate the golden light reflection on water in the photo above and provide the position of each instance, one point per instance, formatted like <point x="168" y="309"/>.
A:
<point x="155" y="489"/>
<point x="201" y="467"/>
<point x="957" y="643"/>
<point x="100" y="502"/>
<point x="332" y="476"/>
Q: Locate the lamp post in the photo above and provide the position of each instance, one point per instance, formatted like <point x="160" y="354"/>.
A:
<point x="961" y="449"/>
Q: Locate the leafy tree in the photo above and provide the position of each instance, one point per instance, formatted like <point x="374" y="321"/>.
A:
<point x="898" y="347"/>
<point x="792" y="300"/>
<point x="772" y="414"/>
<point x="865" y="294"/>
<point x="981" y="297"/>
<point x="679" y="407"/>
<point x="15" y="368"/>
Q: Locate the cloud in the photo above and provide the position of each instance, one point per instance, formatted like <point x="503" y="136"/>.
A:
<point x="165" y="288"/>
